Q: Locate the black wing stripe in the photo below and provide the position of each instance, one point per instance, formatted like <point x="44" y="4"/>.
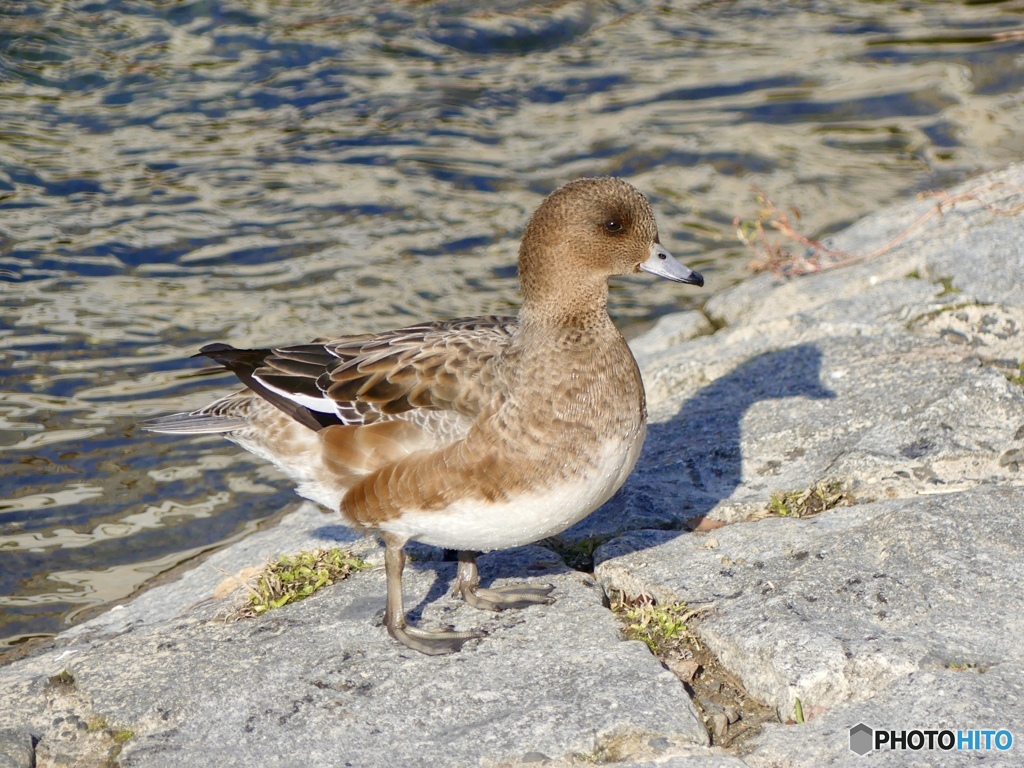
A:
<point x="276" y="365"/>
<point x="243" y="363"/>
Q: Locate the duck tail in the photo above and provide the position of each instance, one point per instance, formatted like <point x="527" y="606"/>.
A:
<point x="244" y="363"/>
<point x="195" y="423"/>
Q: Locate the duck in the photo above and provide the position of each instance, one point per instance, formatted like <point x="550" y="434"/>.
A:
<point x="473" y="434"/>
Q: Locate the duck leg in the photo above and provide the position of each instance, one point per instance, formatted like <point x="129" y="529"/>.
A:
<point x="432" y="643"/>
<point x="467" y="584"/>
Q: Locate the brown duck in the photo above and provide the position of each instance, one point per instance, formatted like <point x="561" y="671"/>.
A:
<point x="471" y="434"/>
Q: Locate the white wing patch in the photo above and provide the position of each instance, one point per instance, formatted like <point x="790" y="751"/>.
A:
<point x="318" y="404"/>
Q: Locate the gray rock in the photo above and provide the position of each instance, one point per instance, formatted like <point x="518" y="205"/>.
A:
<point x="838" y="606"/>
<point x="728" y="307"/>
<point x="930" y="699"/>
<point x="670" y="331"/>
<point x="16" y="750"/>
<point x="556" y="680"/>
<point x="884" y="415"/>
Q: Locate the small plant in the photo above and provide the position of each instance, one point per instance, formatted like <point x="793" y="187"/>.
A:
<point x="798" y="711"/>
<point x="819" y="498"/>
<point x="124" y="735"/>
<point x="772" y="255"/>
<point x="63" y="679"/>
<point x="661" y="627"/>
<point x="294" y="577"/>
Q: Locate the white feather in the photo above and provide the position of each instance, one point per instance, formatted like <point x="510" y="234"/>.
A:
<point x="319" y="404"/>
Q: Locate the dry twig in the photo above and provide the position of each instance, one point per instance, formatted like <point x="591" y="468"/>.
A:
<point x="775" y="257"/>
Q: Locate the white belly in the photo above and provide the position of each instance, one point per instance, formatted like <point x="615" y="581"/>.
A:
<point x="480" y="525"/>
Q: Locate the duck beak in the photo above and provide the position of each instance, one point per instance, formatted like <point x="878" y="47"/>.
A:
<point x="664" y="264"/>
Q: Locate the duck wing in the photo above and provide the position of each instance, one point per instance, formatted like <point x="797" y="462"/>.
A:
<point x="357" y="380"/>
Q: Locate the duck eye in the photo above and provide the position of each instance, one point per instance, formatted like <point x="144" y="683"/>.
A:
<point x="613" y="225"/>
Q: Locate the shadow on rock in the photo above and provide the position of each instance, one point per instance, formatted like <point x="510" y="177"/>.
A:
<point x="693" y="461"/>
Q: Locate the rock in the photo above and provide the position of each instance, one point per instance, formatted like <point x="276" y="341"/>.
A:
<point x="883" y="415"/>
<point x="556" y="680"/>
<point x="670" y="331"/>
<point x="931" y="699"/>
<point x="839" y="606"/>
<point x="16" y="750"/>
<point x="729" y="306"/>
<point x="897" y="381"/>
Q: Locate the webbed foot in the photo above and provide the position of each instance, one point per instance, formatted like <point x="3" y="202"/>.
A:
<point x="467" y="585"/>
<point x="430" y="642"/>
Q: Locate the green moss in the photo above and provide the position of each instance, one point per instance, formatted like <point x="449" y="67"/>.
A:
<point x="660" y="627"/>
<point x="96" y="723"/>
<point x="947" y="286"/>
<point x="913" y="275"/>
<point x="294" y="577"/>
<point x="124" y="735"/>
<point x="818" y="498"/>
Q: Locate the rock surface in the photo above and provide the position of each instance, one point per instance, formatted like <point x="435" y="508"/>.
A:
<point x="16" y="749"/>
<point x="191" y="687"/>
<point x="893" y="382"/>
<point x="896" y="379"/>
<point x="856" y="605"/>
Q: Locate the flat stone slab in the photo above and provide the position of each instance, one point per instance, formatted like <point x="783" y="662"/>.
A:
<point x="669" y="331"/>
<point x="895" y="412"/>
<point x="838" y="606"/>
<point x="930" y="699"/>
<point x="321" y="682"/>
<point x="899" y="379"/>
<point x="16" y="750"/>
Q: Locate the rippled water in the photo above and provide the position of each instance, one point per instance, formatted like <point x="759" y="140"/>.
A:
<point x="256" y="172"/>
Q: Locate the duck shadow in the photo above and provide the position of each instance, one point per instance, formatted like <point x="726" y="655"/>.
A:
<point x="693" y="461"/>
<point x="689" y="464"/>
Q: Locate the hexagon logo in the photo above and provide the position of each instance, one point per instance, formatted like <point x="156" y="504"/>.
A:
<point x="861" y="738"/>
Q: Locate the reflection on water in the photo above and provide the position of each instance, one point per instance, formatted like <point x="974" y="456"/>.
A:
<point x="247" y="171"/>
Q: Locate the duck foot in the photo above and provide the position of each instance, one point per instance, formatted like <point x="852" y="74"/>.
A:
<point x="430" y="642"/>
<point x="467" y="585"/>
